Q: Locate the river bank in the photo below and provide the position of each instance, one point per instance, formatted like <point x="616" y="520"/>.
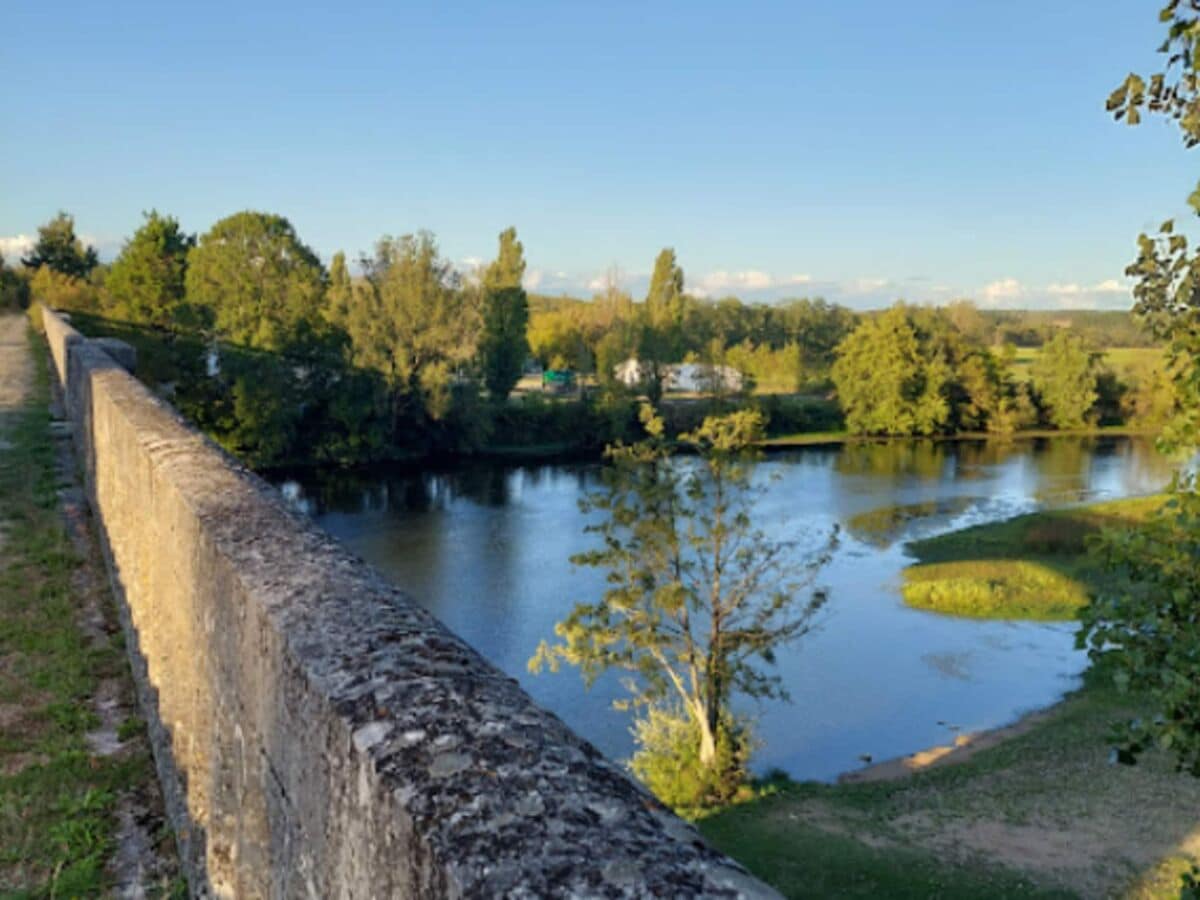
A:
<point x="1042" y="812"/>
<point x="838" y="438"/>
<point x="1034" y="809"/>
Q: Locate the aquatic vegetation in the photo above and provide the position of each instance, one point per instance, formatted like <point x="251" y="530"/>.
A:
<point x="994" y="589"/>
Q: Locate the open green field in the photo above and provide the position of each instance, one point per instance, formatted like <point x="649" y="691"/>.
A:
<point x="1039" y="810"/>
<point x="1123" y="360"/>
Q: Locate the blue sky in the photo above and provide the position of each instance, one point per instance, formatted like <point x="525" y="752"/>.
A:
<point x="863" y="151"/>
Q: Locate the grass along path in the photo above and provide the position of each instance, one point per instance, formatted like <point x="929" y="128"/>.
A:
<point x="79" y="812"/>
<point x="1042" y="812"/>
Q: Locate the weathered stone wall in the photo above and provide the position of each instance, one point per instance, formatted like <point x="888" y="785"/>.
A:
<point x="317" y="733"/>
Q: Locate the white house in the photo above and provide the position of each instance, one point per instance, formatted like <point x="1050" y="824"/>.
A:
<point x="702" y="378"/>
<point x="695" y="378"/>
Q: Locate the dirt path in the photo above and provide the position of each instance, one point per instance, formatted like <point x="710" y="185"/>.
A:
<point x="16" y="368"/>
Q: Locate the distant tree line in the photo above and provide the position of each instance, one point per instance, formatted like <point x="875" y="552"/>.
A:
<point x="286" y="361"/>
<point x="915" y="371"/>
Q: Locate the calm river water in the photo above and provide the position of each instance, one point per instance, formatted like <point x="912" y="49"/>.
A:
<point x="486" y="549"/>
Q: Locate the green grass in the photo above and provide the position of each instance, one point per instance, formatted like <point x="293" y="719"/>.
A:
<point x="1122" y="360"/>
<point x="803" y="860"/>
<point x="942" y="832"/>
<point x="799" y="439"/>
<point x="1059" y="535"/>
<point x="1031" y="567"/>
<point x="994" y="589"/>
<point x="56" y="798"/>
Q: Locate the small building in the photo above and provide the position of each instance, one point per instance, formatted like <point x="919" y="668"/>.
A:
<point x="632" y="372"/>
<point x="558" y="381"/>
<point x="695" y="378"/>
<point x="703" y="378"/>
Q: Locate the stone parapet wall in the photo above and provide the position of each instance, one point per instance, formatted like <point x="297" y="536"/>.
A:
<point x="317" y="733"/>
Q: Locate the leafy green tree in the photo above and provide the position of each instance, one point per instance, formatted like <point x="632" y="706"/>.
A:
<point x="1145" y="623"/>
<point x="262" y="287"/>
<point x="1064" y="375"/>
<point x="339" y="295"/>
<point x="664" y="299"/>
<point x="661" y="326"/>
<point x="889" y="379"/>
<point x="60" y="250"/>
<point x="414" y="325"/>
<point x="697" y="597"/>
<point x="146" y="281"/>
<point x="503" y="345"/>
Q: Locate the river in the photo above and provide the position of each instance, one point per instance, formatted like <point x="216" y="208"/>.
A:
<point x="486" y="548"/>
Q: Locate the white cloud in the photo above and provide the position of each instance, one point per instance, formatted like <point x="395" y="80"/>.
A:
<point x="533" y="277"/>
<point x="746" y="280"/>
<point x="1107" y="294"/>
<point x="12" y="248"/>
<point x="1070" y="289"/>
<point x="864" y="285"/>
<point x="1012" y="294"/>
<point x="1003" y="292"/>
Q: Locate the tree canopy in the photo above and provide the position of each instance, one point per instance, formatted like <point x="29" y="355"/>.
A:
<point x="59" y="249"/>
<point x="1146" y="622"/>
<point x="889" y="377"/>
<point x="1064" y="375"/>
<point x="146" y="281"/>
<point x="698" y="598"/>
<point x="503" y="343"/>
<point x="263" y="286"/>
<point x="413" y="324"/>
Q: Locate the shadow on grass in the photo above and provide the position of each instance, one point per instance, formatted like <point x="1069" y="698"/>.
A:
<point x="1044" y="814"/>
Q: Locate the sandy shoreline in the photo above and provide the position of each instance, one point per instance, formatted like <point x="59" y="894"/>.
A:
<point x="964" y="747"/>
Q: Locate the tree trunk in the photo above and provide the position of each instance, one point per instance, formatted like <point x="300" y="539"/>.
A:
<point x="708" y="738"/>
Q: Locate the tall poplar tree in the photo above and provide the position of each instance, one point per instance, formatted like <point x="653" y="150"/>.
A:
<point x="503" y="343"/>
<point x="339" y="295"/>
<point x="660" y="331"/>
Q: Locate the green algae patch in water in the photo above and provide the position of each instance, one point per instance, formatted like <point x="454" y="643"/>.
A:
<point x="994" y="589"/>
<point x="884" y="526"/>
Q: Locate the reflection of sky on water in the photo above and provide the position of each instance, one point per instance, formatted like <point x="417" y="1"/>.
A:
<point x="486" y="549"/>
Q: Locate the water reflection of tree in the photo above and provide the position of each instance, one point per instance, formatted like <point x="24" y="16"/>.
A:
<point x="1062" y="467"/>
<point x="975" y="458"/>
<point x="889" y="459"/>
<point x="484" y="485"/>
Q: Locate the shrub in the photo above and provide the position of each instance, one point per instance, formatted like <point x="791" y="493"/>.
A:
<point x="793" y="415"/>
<point x="14" y="288"/>
<point x="668" y="760"/>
